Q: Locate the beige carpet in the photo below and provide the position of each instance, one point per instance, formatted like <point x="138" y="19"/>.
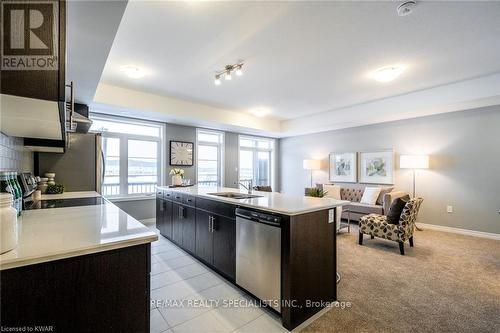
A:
<point x="446" y="283"/>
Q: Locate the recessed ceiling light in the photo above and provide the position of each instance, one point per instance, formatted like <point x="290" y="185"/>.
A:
<point x="260" y="111"/>
<point x="387" y="74"/>
<point x="134" y="72"/>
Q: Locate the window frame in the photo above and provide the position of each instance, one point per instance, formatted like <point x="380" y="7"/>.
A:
<point x="255" y="150"/>
<point x="220" y="153"/>
<point x="124" y="138"/>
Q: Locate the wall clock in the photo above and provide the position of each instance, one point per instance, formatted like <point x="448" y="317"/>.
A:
<point x="181" y="153"/>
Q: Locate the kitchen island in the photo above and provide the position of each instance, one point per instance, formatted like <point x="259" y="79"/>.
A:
<point x="84" y="267"/>
<point x="210" y="224"/>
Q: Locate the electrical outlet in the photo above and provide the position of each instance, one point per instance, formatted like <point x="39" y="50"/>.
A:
<point x="449" y="209"/>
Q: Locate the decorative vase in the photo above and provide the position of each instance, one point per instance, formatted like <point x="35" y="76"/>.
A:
<point x="176" y="180"/>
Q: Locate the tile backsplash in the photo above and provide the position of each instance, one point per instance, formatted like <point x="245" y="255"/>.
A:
<point x="13" y="156"/>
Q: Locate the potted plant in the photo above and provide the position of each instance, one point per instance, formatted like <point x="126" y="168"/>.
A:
<point x="177" y="175"/>
<point x="317" y="192"/>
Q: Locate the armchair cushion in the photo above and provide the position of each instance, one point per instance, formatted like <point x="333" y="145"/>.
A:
<point x="390" y="197"/>
<point x="396" y="209"/>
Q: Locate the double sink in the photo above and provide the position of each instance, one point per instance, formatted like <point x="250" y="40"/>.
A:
<point x="235" y="195"/>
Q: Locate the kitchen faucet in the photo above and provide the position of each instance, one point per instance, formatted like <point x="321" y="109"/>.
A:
<point x="249" y="188"/>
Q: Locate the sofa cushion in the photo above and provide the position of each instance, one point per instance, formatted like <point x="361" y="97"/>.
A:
<point x="370" y="195"/>
<point x="352" y="194"/>
<point x="383" y="191"/>
<point x="332" y="191"/>
<point x="360" y="208"/>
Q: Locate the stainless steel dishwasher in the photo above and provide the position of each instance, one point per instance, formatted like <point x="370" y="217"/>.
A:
<point x="258" y="255"/>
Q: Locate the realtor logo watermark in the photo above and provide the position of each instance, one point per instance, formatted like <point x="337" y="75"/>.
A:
<point x="30" y="32"/>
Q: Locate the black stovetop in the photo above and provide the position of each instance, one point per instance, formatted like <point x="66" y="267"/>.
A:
<point x="59" y="203"/>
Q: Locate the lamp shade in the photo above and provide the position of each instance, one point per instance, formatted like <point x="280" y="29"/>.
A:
<point x="312" y="164"/>
<point x="414" y="161"/>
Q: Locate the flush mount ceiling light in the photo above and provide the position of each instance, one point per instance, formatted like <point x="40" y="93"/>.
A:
<point x="260" y="111"/>
<point x="406" y="8"/>
<point x="387" y="74"/>
<point x="226" y="72"/>
<point x="133" y="72"/>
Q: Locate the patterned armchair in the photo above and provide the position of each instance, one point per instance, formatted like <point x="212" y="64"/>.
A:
<point x="377" y="225"/>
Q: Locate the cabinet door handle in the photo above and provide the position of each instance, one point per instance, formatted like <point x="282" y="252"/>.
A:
<point x="213" y="223"/>
<point x="181" y="212"/>
<point x="209" y="223"/>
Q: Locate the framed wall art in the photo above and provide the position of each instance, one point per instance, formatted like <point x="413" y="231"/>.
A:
<point x="343" y="167"/>
<point x="376" y="167"/>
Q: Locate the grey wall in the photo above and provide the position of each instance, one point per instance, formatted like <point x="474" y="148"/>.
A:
<point x="180" y="133"/>
<point x="464" y="149"/>
<point x="231" y="157"/>
<point x="13" y="156"/>
<point x="75" y="169"/>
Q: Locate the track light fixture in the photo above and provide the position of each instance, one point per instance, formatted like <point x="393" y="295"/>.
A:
<point x="226" y="73"/>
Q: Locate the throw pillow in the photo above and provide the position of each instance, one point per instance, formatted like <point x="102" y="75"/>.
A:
<point x="383" y="191"/>
<point x="333" y="191"/>
<point x="396" y="209"/>
<point x="370" y="195"/>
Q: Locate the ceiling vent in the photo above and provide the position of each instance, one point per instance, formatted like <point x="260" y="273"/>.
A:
<point x="406" y="8"/>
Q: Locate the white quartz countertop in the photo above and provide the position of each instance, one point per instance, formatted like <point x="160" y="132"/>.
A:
<point x="275" y="202"/>
<point x="57" y="233"/>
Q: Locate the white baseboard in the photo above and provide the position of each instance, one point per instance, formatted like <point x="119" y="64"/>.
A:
<point x="148" y="221"/>
<point x="467" y="232"/>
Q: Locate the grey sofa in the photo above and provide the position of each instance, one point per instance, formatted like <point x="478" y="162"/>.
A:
<point x="354" y="192"/>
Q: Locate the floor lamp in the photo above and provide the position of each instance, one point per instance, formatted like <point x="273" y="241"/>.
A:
<point x="414" y="162"/>
<point x="312" y="165"/>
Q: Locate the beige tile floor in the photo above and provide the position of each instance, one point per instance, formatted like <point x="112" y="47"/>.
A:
<point x="177" y="276"/>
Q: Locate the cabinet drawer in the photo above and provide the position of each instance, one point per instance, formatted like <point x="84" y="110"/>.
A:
<point x="188" y="199"/>
<point x="216" y="207"/>
<point x="159" y="193"/>
<point x="167" y="194"/>
<point x="177" y="196"/>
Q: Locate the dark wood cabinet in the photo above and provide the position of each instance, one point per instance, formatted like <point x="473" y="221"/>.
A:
<point x="177" y="223"/>
<point x="216" y="241"/>
<point x="204" y="236"/>
<point x="188" y="228"/>
<point x="224" y="245"/>
<point x="167" y="219"/>
<point x="160" y="213"/>
<point x="101" y="292"/>
<point x="205" y="228"/>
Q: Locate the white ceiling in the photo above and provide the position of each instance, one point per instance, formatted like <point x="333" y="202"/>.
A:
<point x="302" y="58"/>
<point x="90" y="31"/>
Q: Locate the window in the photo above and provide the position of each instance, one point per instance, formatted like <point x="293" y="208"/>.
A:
<point x="132" y="151"/>
<point x="256" y="160"/>
<point x="210" y="156"/>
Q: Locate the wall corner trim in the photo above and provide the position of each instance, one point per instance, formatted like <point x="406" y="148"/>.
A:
<point x="466" y="232"/>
